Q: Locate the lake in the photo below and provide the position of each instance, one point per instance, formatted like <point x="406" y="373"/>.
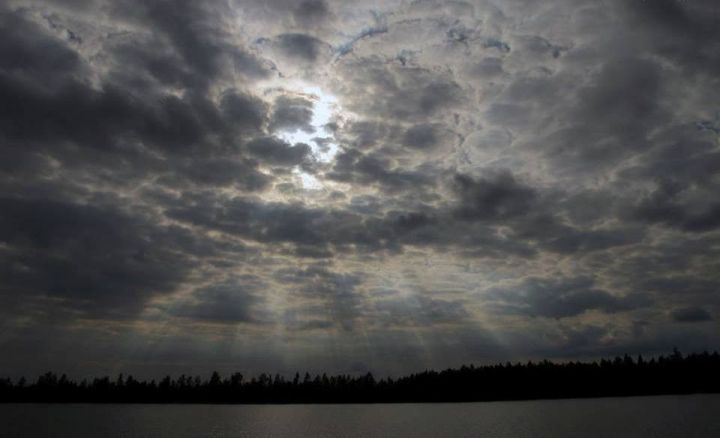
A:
<point x="659" y="416"/>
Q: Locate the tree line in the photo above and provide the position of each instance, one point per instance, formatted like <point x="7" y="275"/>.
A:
<point x="621" y="376"/>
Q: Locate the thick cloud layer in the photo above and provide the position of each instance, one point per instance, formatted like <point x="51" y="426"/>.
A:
<point x="276" y="185"/>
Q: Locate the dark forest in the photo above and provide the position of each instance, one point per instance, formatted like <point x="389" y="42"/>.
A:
<point x="622" y="376"/>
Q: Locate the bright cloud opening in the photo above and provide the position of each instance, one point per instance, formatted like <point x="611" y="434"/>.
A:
<point x="322" y="139"/>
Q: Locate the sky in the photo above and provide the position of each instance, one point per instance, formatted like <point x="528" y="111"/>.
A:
<point x="345" y="187"/>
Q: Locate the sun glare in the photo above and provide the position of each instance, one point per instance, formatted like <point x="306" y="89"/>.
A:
<point x="322" y="139"/>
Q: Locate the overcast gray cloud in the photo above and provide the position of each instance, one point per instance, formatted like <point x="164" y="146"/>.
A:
<point x="385" y="186"/>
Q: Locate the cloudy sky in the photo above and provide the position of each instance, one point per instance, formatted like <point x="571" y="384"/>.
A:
<point x="279" y="185"/>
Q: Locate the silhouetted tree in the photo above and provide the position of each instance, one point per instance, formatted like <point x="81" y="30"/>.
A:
<point x="621" y="376"/>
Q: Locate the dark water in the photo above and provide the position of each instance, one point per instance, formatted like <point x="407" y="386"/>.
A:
<point x="665" y="416"/>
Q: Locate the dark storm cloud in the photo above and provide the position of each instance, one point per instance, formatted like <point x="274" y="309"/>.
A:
<point x="282" y="223"/>
<point x="612" y="116"/>
<point x="196" y="30"/>
<point x="274" y="151"/>
<point x="291" y="114"/>
<point x="366" y="134"/>
<point x="158" y="64"/>
<point x="691" y="314"/>
<point x="222" y="172"/>
<point x="323" y="232"/>
<point x="27" y="49"/>
<point x="562" y="298"/>
<point x="685" y="157"/>
<point x="353" y="166"/>
<point x="117" y="124"/>
<point x="419" y="95"/>
<point x="558" y="173"/>
<point x="487" y="68"/>
<point x="676" y="272"/>
<point x="661" y="207"/>
<point x="67" y="106"/>
<point x="541" y="46"/>
<point x="684" y="286"/>
<point x="302" y="46"/>
<point x="630" y="98"/>
<point x="243" y="111"/>
<point x="117" y="130"/>
<point x="421" y="311"/>
<point x="337" y="290"/>
<point x="420" y="137"/>
<point x="498" y="197"/>
<point x="110" y="119"/>
<point x="311" y="12"/>
<point x="96" y="259"/>
<point x="575" y="241"/>
<point x="685" y="32"/>
<point x="231" y="302"/>
<point x="577" y="340"/>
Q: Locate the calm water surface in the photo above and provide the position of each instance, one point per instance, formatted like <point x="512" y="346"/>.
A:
<point x="665" y="416"/>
